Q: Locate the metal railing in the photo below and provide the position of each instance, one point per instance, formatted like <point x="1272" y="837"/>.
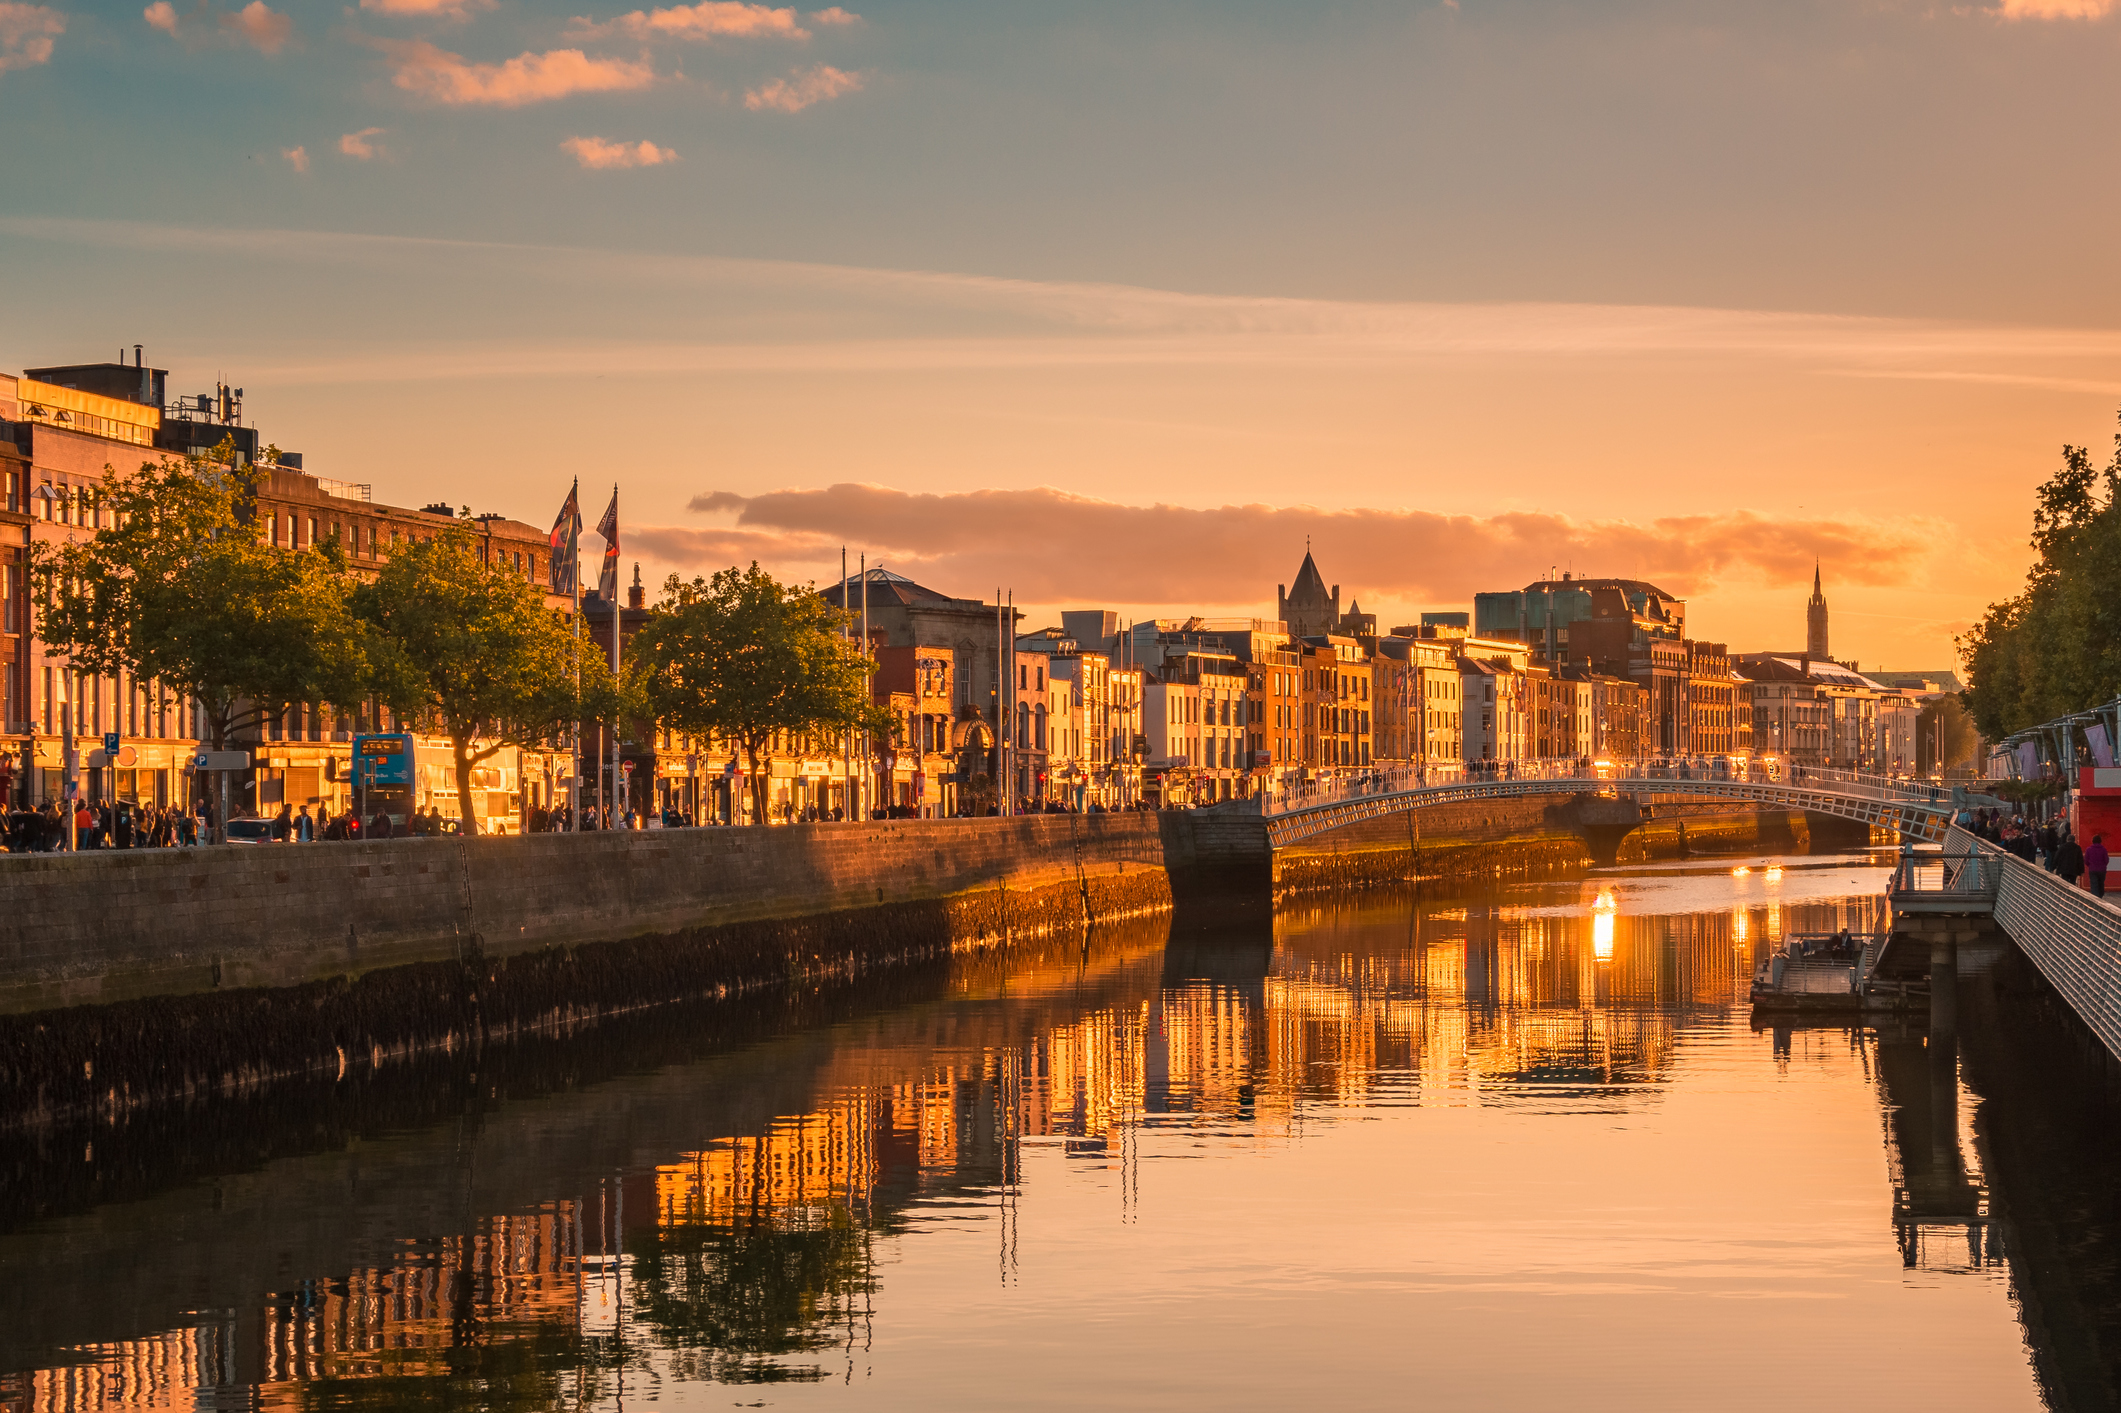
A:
<point x="1660" y="774"/>
<point x="1969" y="875"/>
<point x="2071" y="936"/>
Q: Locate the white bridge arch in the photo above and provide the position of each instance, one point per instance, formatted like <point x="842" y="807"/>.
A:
<point x="1917" y="810"/>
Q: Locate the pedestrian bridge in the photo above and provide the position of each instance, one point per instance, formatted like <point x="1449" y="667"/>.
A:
<point x="1916" y="810"/>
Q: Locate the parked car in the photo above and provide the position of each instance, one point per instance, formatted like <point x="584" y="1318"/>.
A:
<point x="250" y="831"/>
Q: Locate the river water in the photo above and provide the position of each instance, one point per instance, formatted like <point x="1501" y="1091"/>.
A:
<point x="1514" y="1146"/>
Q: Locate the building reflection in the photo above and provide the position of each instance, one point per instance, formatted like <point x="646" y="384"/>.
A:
<point x="747" y="1252"/>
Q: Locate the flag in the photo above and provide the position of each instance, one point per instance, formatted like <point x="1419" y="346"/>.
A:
<point x="2102" y="745"/>
<point x="566" y="561"/>
<point x="608" y="527"/>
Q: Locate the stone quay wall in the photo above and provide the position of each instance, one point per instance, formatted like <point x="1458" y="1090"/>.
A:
<point x="101" y="927"/>
<point x="154" y="977"/>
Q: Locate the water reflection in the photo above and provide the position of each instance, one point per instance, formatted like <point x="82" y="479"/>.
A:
<point x="1549" y="1087"/>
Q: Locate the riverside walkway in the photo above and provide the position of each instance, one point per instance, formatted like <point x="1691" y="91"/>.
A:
<point x="1914" y="809"/>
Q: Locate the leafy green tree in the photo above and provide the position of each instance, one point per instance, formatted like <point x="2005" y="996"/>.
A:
<point x="748" y="658"/>
<point x="471" y="648"/>
<point x="179" y="591"/>
<point x="2056" y="647"/>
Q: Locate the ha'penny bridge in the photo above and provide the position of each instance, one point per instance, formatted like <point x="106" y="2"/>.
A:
<point x="1914" y="810"/>
<point x="1967" y="893"/>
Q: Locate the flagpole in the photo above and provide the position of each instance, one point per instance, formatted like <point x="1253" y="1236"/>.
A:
<point x="611" y="554"/>
<point x="869" y="684"/>
<point x="847" y="736"/>
<point x="574" y="573"/>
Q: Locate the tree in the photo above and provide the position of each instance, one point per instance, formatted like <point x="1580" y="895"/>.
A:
<point x="749" y="658"/>
<point x="471" y="648"/>
<point x="178" y="592"/>
<point x="2055" y="648"/>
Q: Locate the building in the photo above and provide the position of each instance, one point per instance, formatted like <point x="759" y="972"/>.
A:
<point x="1274" y="696"/>
<point x="1337" y="703"/>
<point x="1815" y="639"/>
<point x="1492" y="688"/>
<point x="904" y="614"/>
<point x="1569" y="618"/>
<point x="1308" y="611"/>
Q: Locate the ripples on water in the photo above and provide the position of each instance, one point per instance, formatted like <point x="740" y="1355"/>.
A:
<point x="1512" y="1147"/>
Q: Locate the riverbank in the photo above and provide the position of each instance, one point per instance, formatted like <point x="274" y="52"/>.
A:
<point x="136" y="978"/>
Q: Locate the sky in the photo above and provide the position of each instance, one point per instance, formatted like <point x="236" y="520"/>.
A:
<point x="1121" y="305"/>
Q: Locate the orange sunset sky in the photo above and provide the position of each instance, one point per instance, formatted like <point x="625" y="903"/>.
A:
<point x="1115" y="306"/>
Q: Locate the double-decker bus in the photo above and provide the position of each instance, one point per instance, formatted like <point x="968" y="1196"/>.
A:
<point x="386" y="777"/>
<point x="395" y="775"/>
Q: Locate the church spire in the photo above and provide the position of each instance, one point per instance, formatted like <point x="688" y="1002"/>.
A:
<point x="1815" y="642"/>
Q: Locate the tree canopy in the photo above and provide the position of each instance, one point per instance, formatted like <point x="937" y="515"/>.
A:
<point x="746" y="657"/>
<point x="472" y="648"/>
<point x="178" y="590"/>
<point x="2055" y="648"/>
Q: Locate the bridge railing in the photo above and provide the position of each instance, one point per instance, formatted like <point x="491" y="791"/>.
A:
<point x="2071" y="936"/>
<point x="1711" y="772"/>
<point x="1968" y="874"/>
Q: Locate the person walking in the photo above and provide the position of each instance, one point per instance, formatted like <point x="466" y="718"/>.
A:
<point x="379" y="827"/>
<point x="2095" y="866"/>
<point x="283" y="825"/>
<point x="2069" y="859"/>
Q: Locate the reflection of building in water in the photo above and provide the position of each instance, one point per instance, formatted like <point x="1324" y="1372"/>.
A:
<point x="405" y="1319"/>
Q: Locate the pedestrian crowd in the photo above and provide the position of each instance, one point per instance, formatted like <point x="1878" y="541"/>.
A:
<point x="2050" y="845"/>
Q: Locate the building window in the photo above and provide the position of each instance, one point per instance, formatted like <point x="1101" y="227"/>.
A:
<point x="312" y="532"/>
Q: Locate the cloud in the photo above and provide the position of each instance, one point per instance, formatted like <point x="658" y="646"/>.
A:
<point x="436" y="73"/>
<point x="599" y="155"/>
<point x="711" y="19"/>
<point x="434" y="9"/>
<point x="2057" y="9"/>
<point x="1234" y="554"/>
<point x="834" y="16"/>
<point x="357" y="145"/>
<point x="297" y="157"/>
<point x="161" y="15"/>
<point x="26" y="34"/>
<point x="259" y="26"/>
<point x="801" y="89"/>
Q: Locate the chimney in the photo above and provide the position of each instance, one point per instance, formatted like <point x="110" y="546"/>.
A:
<point x="636" y="596"/>
<point x="140" y="361"/>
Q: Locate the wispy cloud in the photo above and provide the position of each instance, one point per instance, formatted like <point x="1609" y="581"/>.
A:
<point x="711" y="19"/>
<point x="297" y="157"/>
<point x="259" y="26"/>
<point x="2057" y="9"/>
<point x="429" y="9"/>
<point x="852" y="318"/>
<point x="599" y="155"/>
<point x="1228" y="554"/>
<point x="801" y="89"/>
<point x="161" y="15"/>
<point x="433" y="72"/>
<point x="834" y="16"/>
<point x="360" y="145"/>
<point x="27" y="33"/>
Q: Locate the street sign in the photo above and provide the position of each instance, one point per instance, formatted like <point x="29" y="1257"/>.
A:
<point x="627" y="766"/>
<point x="110" y="743"/>
<point x="221" y="760"/>
<point x="127" y="756"/>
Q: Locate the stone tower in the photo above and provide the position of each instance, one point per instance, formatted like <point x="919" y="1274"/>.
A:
<point x="1309" y="611"/>
<point x="1815" y="622"/>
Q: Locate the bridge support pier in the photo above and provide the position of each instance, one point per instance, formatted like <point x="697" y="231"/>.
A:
<point x="1944" y="990"/>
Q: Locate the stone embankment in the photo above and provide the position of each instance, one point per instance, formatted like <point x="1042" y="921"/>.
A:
<point x="159" y="974"/>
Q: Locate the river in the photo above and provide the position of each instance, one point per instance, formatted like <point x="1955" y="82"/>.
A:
<point x="1509" y="1146"/>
